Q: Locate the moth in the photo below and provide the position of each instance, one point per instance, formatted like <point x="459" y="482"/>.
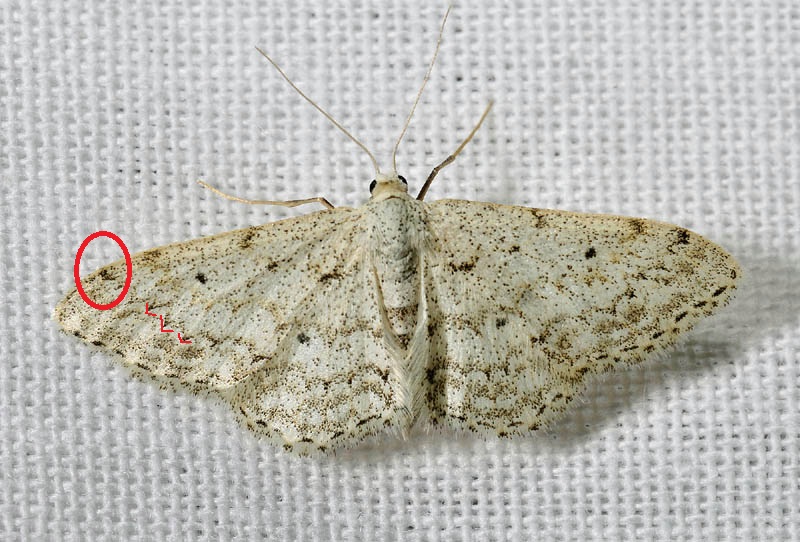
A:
<point x="325" y="329"/>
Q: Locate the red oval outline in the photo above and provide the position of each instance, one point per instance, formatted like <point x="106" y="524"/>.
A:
<point x="128" y="264"/>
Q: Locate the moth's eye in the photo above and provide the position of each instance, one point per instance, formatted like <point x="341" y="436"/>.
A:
<point x="405" y="182"/>
<point x="372" y="186"/>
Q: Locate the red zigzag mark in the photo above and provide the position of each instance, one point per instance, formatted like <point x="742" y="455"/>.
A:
<point x="161" y="319"/>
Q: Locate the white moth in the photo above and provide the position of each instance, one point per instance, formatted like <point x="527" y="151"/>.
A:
<point x="325" y="329"/>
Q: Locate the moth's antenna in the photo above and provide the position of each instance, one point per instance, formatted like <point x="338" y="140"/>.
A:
<point x="419" y="94"/>
<point x="325" y="113"/>
<point x="452" y="157"/>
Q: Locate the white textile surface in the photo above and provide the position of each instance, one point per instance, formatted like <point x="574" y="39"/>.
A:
<point x="682" y="111"/>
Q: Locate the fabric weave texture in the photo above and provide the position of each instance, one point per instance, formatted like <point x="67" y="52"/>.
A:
<point x="685" y="112"/>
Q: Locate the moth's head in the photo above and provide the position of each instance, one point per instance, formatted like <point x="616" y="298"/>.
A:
<point x="387" y="185"/>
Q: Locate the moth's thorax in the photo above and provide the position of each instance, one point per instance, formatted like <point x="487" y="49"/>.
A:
<point x="397" y="229"/>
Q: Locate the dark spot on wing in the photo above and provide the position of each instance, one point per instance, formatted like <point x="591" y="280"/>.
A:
<point x="541" y="221"/>
<point x="247" y="239"/>
<point x="463" y="266"/>
<point x="271" y="266"/>
<point x="637" y="225"/>
<point x="683" y="236"/>
<point x="657" y="334"/>
<point x="429" y="374"/>
<point x="699" y="304"/>
<point x="681" y="316"/>
<point x="98" y="343"/>
<point x="367" y="419"/>
<point x="501" y="322"/>
<point x="591" y="253"/>
<point x="201" y="278"/>
<point x="514" y="248"/>
<point x="105" y="274"/>
<point x="151" y="256"/>
<point x="404" y="339"/>
<point x="333" y="275"/>
<point x="303" y="338"/>
<point x="719" y="291"/>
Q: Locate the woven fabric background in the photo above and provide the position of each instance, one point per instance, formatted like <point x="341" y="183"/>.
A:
<point x="682" y="111"/>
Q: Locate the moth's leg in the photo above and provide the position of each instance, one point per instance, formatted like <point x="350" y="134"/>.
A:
<point x="289" y="203"/>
